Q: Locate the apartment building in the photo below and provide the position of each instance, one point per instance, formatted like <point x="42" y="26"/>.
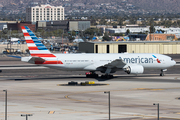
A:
<point x="44" y="13"/>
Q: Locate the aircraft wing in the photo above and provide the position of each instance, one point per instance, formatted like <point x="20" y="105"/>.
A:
<point x="118" y="63"/>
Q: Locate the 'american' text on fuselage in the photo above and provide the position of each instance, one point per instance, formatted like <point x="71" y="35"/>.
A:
<point x="137" y="60"/>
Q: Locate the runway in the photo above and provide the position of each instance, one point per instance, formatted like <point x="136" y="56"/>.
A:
<point x="36" y="91"/>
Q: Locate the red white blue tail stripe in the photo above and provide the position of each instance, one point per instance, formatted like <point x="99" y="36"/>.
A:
<point x="37" y="49"/>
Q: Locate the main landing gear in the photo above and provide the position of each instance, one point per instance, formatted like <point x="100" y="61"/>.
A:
<point x="91" y="75"/>
<point x="107" y="76"/>
<point x="94" y="75"/>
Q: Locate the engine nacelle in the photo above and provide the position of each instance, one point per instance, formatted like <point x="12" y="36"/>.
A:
<point x="134" y="69"/>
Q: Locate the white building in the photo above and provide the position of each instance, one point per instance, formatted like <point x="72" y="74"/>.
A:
<point x="170" y="30"/>
<point x="44" y="12"/>
<point x="123" y="30"/>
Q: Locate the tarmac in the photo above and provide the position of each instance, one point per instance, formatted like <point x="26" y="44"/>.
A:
<point x="39" y="92"/>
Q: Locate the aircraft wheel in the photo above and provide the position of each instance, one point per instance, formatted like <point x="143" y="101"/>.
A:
<point x="96" y="76"/>
<point x="107" y="76"/>
<point x="162" y="74"/>
<point x="111" y="76"/>
<point x="88" y="75"/>
<point x="102" y="76"/>
<point x="92" y="76"/>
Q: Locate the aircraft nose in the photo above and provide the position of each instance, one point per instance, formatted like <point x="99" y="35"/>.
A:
<point x="174" y="62"/>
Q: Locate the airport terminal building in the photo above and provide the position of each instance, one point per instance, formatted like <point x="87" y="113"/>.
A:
<point x="161" y="47"/>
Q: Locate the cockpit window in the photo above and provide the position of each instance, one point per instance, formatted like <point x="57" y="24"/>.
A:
<point x="171" y="59"/>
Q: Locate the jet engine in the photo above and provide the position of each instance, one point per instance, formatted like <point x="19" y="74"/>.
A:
<point x="134" y="69"/>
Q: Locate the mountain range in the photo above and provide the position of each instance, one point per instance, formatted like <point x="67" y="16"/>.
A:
<point x="171" y="6"/>
<point x="159" y="6"/>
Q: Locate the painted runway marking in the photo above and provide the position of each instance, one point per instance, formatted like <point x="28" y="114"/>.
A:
<point x="51" y="112"/>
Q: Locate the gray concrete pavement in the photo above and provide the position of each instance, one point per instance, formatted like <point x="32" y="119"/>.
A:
<point x="129" y="99"/>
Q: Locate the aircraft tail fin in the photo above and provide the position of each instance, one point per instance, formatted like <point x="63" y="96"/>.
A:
<point x="35" y="46"/>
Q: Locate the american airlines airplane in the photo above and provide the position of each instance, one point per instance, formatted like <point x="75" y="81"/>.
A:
<point x="133" y="63"/>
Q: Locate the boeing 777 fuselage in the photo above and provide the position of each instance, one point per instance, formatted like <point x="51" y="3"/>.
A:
<point x="133" y="63"/>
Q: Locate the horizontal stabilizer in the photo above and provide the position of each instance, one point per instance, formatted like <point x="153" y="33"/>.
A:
<point x="33" y="60"/>
<point x="36" y="60"/>
<point x="13" y="56"/>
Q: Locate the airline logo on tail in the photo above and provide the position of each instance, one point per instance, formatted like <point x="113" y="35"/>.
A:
<point x="37" y="49"/>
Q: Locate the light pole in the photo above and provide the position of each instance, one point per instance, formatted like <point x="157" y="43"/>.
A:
<point x="26" y="115"/>
<point x="157" y="109"/>
<point x="5" y="104"/>
<point x="109" y="102"/>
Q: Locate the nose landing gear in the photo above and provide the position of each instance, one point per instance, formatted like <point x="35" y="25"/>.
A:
<point x="162" y="72"/>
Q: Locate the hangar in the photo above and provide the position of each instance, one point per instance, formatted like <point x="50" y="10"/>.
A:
<point x="161" y="47"/>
